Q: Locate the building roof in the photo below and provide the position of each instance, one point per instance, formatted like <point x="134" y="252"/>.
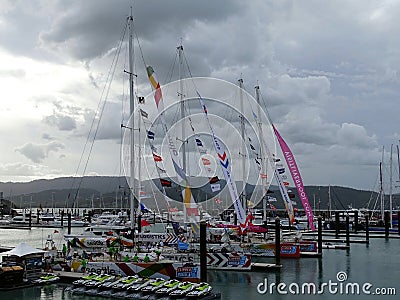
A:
<point x="23" y="249"/>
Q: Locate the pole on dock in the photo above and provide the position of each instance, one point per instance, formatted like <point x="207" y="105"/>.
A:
<point x="37" y="216"/>
<point x="30" y="218"/>
<point x="235" y="218"/>
<point x="387" y="225"/>
<point x="355" y="229"/>
<point x="62" y="218"/>
<point x="398" y="222"/>
<point x="69" y="223"/>
<point x="337" y="224"/>
<point x="203" y="252"/>
<point x="320" y="235"/>
<point x="347" y="231"/>
<point x="139" y="223"/>
<point x="367" y="230"/>
<point x="277" y="241"/>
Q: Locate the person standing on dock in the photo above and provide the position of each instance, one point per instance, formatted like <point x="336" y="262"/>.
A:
<point x="111" y="252"/>
<point x="64" y="251"/>
<point x="115" y="253"/>
<point x="135" y="258"/>
<point x="83" y="265"/>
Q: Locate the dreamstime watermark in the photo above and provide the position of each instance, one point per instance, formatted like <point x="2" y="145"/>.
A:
<point x="340" y="286"/>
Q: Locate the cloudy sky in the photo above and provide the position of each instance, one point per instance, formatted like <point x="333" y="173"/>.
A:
<point x="328" y="72"/>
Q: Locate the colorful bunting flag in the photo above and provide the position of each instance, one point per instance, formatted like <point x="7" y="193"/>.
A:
<point x="156" y="157"/>
<point x="150" y="135"/>
<point x="143" y="113"/>
<point x="165" y="182"/>
<point x="214" y="179"/>
<point x="199" y="143"/>
<point x="206" y="161"/>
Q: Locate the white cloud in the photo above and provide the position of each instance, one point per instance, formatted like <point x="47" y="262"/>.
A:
<point x="37" y="153"/>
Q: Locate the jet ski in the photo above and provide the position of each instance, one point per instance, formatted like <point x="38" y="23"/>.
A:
<point x="202" y="290"/>
<point x="78" y="286"/>
<point x="182" y="290"/>
<point x="47" y="278"/>
<point x="105" y="289"/>
<point x="135" y="290"/>
<point x="153" y="286"/>
<point x="92" y="287"/>
<point x="167" y="288"/>
<point x="84" y="279"/>
<point x="120" y="290"/>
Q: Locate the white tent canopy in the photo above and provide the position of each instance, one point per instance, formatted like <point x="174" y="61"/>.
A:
<point x="23" y="249"/>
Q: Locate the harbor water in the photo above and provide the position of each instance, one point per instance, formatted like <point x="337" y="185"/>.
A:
<point x="371" y="271"/>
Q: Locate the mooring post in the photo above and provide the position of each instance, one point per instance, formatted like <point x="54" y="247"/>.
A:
<point x="203" y="252"/>
<point x="347" y="230"/>
<point x="387" y="220"/>
<point x="37" y="216"/>
<point x="62" y="218"/>
<point x="355" y="229"/>
<point x="139" y="223"/>
<point x="367" y="230"/>
<point x="277" y="241"/>
<point x="69" y="223"/>
<point x="320" y="235"/>
<point x="30" y="218"/>
<point x="398" y="222"/>
<point x="337" y="224"/>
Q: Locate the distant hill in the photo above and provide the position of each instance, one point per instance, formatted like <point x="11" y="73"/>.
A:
<point x="105" y="191"/>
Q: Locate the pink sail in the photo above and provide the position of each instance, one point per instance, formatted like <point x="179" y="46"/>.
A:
<point x="298" y="182"/>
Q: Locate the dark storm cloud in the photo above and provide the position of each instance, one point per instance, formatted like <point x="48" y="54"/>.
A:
<point x="90" y="28"/>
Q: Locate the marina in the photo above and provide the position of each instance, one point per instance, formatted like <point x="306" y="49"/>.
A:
<point x="209" y="202"/>
<point x="379" y="270"/>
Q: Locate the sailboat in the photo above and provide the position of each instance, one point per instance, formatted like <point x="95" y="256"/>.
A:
<point x="155" y="268"/>
<point x="289" y="248"/>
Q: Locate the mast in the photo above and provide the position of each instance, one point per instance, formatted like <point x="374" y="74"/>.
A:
<point x="133" y="207"/>
<point x="139" y="163"/>
<point x="329" y="202"/>
<point x="398" y="160"/>
<point x="390" y="186"/>
<point x="182" y="107"/>
<point x="181" y="96"/>
<point x="263" y="157"/>
<point x="243" y="147"/>
<point x="381" y="186"/>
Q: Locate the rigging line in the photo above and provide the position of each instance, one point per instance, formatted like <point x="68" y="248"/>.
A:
<point x="157" y="168"/>
<point x="140" y="47"/>
<point x="197" y="135"/>
<point x="159" y="176"/>
<point x="172" y="68"/>
<point x="338" y="199"/>
<point x="101" y="106"/>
